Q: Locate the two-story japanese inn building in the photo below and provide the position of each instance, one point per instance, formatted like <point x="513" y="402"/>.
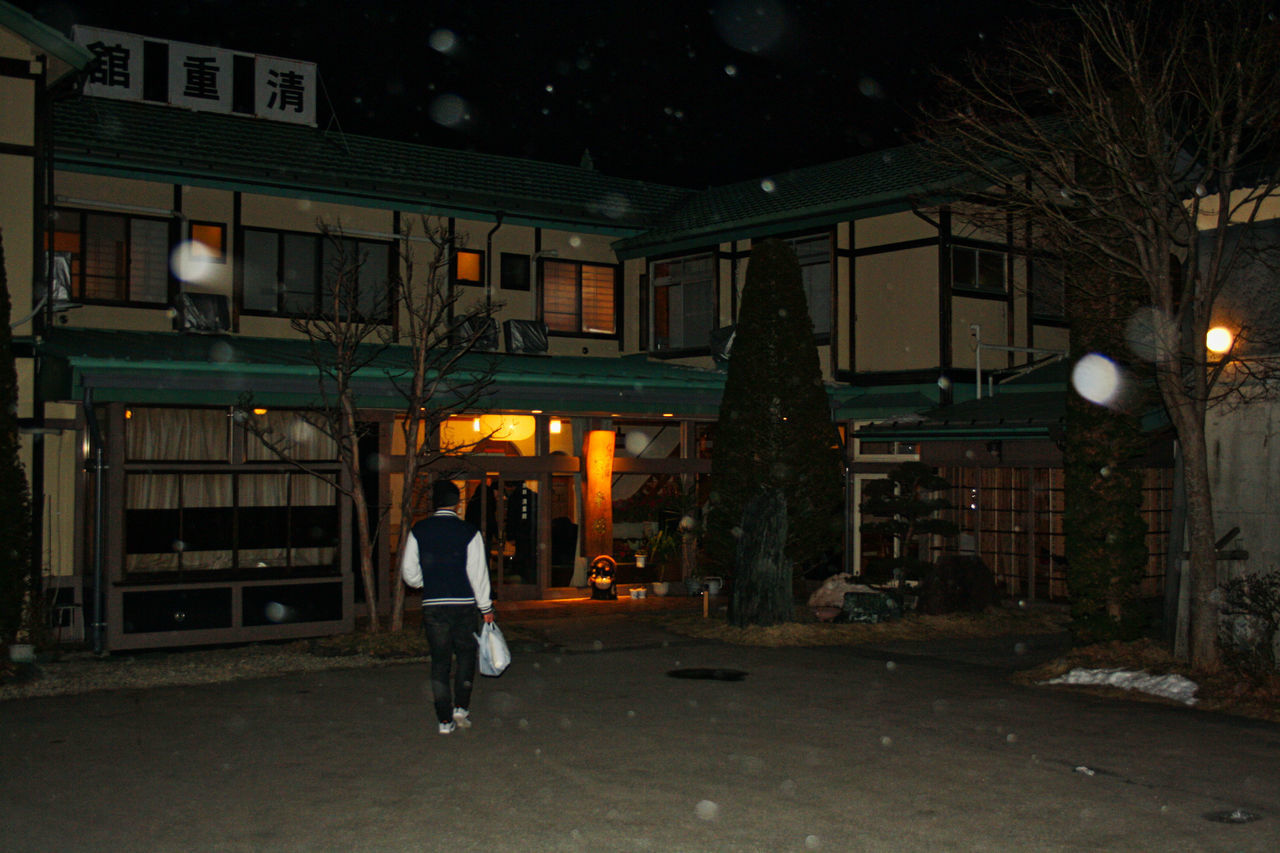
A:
<point x="610" y="300"/>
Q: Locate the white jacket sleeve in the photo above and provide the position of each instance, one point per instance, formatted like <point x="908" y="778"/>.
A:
<point x="410" y="566"/>
<point x="478" y="573"/>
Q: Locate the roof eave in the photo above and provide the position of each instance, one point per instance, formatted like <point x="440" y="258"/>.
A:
<point x="483" y="208"/>
<point x="68" y="56"/>
<point x="653" y="242"/>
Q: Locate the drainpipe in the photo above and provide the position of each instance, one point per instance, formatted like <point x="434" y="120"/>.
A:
<point x="95" y="438"/>
<point x="488" y="259"/>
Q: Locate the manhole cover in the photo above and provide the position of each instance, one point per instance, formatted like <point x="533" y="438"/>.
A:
<point x="1233" y="816"/>
<point x="709" y="674"/>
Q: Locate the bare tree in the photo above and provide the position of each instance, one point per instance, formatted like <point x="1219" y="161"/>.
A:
<point x="347" y="335"/>
<point x="353" y="347"/>
<point x="1141" y="136"/>
<point x="447" y="374"/>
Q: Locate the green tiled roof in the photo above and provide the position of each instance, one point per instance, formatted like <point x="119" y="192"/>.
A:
<point x="866" y="185"/>
<point x="194" y="369"/>
<point x="1032" y="405"/>
<point x="167" y="144"/>
<point x="218" y="370"/>
<point x="44" y="37"/>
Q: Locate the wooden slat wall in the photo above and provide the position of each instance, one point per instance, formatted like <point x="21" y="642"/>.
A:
<point x="1013" y="516"/>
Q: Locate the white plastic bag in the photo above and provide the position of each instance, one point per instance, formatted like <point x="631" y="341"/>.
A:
<point x="495" y="657"/>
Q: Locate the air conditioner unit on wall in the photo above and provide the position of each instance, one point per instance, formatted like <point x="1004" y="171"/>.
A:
<point x="204" y="312"/>
<point x="526" y="337"/>
<point x="722" y="344"/>
<point x="482" y="330"/>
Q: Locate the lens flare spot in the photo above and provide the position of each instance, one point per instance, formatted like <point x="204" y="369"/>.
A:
<point x="1096" y="378"/>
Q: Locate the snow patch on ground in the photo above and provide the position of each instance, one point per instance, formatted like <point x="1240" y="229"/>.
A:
<point x="1174" y="687"/>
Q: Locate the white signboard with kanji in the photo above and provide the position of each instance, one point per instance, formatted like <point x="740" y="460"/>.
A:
<point x="200" y="77"/>
<point x="197" y="77"/>
<point x="118" y="71"/>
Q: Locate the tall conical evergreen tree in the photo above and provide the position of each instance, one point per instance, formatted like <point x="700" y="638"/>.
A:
<point x="1106" y="547"/>
<point x="775" y="428"/>
<point x="15" y="500"/>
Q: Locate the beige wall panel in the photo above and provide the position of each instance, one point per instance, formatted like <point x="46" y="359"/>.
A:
<point x="16" y="205"/>
<point x="1019" y="289"/>
<point x="469" y="299"/>
<point x="512" y="239"/>
<point x="13" y="47"/>
<point x="300" y="214"/>
<point x="208" y="205"/>
<point x="65" y="411"/>
<point x="268" y="327"/>
<point x="824" y="362"/>
<point x="990" y="315"/>
<point x="964" y="228"/>
<point x="842" y="325"/>
<point x="891" y="228"/>
<point x="631" y="272"/>
<point x="594" y="347"/>
<point x="77" y="190"/>
<point x="1052" y="337"/>
<point x="112" y="317"/>
<point x="25" y="368"/>
<point x="62" y="467"/>
<point x="897" y="310"/>
<point x="514" y="304"/>
<point x="725" y="287"/>
<point x="573" y="246"/>
<point x="17" y="118"/>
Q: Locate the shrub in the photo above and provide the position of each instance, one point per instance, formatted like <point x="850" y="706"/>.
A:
<point x="1251" y="619"/>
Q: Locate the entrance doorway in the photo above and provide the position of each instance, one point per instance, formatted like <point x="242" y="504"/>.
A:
<point x="505" y="510"/>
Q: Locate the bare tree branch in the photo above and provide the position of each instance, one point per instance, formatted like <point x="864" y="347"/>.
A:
<point x="1138" y="138"/>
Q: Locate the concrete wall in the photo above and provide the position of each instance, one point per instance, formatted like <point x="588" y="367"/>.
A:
<point x="1244" y="472"/>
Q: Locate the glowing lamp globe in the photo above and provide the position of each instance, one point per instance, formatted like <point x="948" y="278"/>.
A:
<point x="1218" y="340"/>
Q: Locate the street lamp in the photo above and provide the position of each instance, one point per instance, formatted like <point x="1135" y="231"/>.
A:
<point x="1218" y="340"/>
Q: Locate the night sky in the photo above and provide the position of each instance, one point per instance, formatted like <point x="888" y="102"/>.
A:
<point x="686" y="93"/>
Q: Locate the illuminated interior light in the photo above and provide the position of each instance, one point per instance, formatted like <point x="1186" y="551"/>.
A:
<point x="475" y="425"/>
<point x="259" y="411"/>
<point x="128" y="413"/>
<point x="555" y="426"/>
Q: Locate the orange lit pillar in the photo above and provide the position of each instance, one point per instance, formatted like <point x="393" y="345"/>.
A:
<point x="597" y="510"/>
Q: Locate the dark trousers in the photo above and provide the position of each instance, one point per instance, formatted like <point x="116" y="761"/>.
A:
<point x="451" y="631"/>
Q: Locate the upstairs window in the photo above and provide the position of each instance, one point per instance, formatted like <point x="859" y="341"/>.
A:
<point x="514" y="273"/>
<point x="979" y="270"/>
<point x="105" y="257"/>
<point x="294" y="274"/>
<point x="579" y="298"/>
<point x="814" y="254"/>
<point x="1047" y="290"/>
<point x="468" y="267"/>
<point x="208" y="241"/>
<point x="683" y="302"/>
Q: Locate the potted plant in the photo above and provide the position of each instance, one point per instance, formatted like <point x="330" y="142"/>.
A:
<point x="661" y="548"/>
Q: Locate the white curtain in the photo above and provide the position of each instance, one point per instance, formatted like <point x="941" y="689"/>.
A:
<point x="188" y="435"/>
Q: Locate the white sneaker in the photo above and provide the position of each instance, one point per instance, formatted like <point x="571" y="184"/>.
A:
<point x="462" y="718"/>
<point x="447" y="728"/>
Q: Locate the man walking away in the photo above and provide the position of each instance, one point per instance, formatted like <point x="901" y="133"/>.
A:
<point x="446" y="558"/>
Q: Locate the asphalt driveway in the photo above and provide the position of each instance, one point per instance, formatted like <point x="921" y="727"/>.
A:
<point x="589" y="744"/>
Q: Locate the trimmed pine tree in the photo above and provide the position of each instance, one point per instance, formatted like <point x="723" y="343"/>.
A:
<point x="15" y="500"/>
<point x="1105" y="534"/>
<point x="775" y="429"/>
